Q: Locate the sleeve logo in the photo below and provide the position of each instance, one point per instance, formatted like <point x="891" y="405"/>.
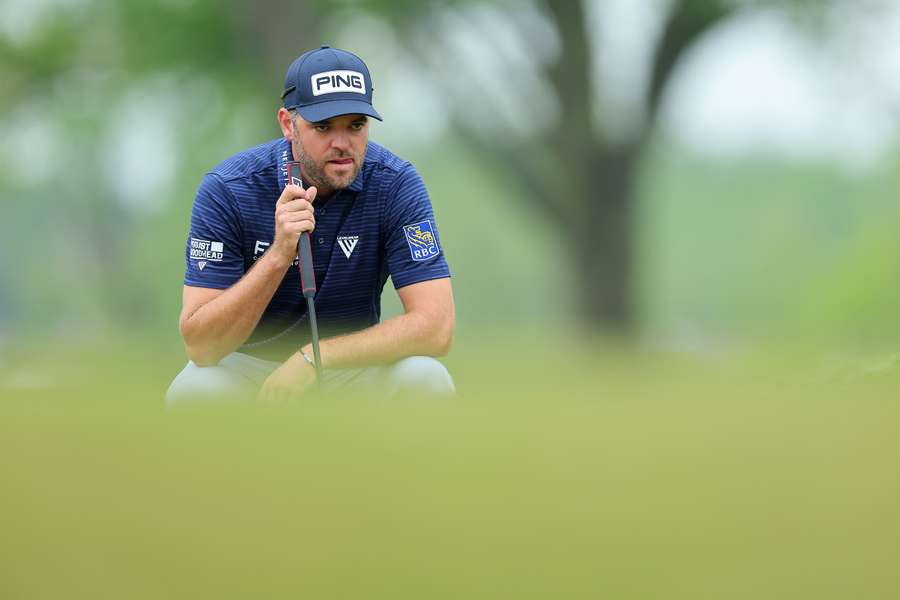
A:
<point x="206" y="250"/>
<point x="422" y="241"/>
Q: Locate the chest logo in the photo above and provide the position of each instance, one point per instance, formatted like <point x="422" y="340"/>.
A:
<point x="347" y="243"/>
<point x="422" y="241"/>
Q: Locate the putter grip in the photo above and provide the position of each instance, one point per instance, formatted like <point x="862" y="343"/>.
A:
<point x="304" y="246"/>
<point x="307" y="275"/>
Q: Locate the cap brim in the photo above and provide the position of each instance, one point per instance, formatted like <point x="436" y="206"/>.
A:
<point x="336" y="108"/>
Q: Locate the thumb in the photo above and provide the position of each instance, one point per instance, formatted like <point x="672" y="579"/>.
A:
<point x="311" y="193"/>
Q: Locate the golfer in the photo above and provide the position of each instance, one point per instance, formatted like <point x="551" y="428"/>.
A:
<point x="244" y="319"/>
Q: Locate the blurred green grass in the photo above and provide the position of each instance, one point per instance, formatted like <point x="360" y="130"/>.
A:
<point x="564" y="469"/>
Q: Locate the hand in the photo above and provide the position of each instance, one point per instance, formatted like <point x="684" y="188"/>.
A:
<point x="293" y="216"/>
<point x="288" y="382"/>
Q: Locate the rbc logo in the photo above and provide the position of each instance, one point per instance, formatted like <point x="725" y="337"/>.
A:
<point x="422" y="241"/>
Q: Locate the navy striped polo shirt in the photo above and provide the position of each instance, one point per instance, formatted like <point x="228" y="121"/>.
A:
<point x="381" y="225"/>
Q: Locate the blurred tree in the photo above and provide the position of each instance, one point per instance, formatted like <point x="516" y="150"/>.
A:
<point x="72" y="71"/>
<point x="581" y="180"/>
<point x="592" y="197"/>
<point x="579" y="176"/>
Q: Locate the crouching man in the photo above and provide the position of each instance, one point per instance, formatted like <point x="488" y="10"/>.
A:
<point x="244" y="318"/>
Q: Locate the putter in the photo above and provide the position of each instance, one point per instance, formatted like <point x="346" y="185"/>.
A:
<point x="307" y="276"/>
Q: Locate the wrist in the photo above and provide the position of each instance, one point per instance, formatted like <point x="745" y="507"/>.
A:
<point x="306" y="357"/>
<point x="282" y="257"/>
<point x="306" y="354"/>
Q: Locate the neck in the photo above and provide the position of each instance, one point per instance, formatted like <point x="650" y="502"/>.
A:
<point x="322" y="192"/>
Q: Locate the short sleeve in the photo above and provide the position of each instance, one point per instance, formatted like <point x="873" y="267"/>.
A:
<point x="413" y="244"/>
<point x="213" y="251"/>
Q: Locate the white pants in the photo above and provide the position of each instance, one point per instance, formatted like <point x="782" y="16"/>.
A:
<point x="239" y="376"/>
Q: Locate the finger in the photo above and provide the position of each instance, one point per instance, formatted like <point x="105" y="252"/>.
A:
<point x="273" y="396"/>
<point x="290" y="192"/>
<point x="296" y="204"/>
<point x="296" y="392"/>
<point x="311" y="193"/>
<point x="285" y="216"/>
<point x="294" y="228"/>
<point x="298" y="227"/>
<point x="282" y="396"/>
<point x="297" y="215"/>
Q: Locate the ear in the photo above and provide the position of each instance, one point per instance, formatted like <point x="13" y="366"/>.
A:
<point x="284" y="119"/>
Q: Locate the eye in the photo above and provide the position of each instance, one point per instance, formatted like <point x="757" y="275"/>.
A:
<point x="321" y="128"/>
<point x="358" y="126"/>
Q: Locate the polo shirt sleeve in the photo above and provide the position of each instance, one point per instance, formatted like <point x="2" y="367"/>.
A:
<point x="413" y="245"/>
<point x="213" y="251"/>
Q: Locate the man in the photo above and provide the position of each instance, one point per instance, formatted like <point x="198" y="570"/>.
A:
<point x="244" y="320"/>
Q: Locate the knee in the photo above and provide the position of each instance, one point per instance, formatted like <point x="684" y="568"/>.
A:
<point x="196" y="386"/>
<point x="420" y="375"/>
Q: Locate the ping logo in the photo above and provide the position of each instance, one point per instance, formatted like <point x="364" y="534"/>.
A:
<point x="331" y="82"/>
<point x="422" y="241"/>
<point x="347" y="243"/>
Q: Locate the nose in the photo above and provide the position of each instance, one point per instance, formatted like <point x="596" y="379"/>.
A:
<point x="340" y="141"/>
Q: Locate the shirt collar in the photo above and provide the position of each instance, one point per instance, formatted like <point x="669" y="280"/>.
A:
<point x="283" y="155"/>
<point x="357" y="185"/>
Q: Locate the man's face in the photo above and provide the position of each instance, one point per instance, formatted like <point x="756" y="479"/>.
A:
<point x="332" y="151"/>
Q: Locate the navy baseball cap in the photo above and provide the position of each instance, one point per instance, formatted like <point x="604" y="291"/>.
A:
<point x="326" y="83"/>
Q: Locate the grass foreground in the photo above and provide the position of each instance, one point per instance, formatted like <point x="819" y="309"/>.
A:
<point x="587" y="472"/>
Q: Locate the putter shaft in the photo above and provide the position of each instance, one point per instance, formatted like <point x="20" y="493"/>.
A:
<point x="307" y="274"/>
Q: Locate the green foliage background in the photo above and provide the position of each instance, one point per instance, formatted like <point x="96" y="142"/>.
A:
<point x="742" y="448"/>
<point x="728" y="249"/>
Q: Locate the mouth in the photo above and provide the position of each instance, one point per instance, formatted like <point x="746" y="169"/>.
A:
<point x="341" y="162"/>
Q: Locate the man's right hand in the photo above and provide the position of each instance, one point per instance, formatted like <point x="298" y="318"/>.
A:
<point x="293" y="216"/>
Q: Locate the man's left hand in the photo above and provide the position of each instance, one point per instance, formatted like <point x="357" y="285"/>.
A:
<point x="288" y="382"/>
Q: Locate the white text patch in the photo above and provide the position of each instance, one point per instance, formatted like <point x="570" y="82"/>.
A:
<point x="207" y="250"/>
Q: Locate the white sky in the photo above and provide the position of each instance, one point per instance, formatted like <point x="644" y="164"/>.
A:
<point x="755" y="85"/>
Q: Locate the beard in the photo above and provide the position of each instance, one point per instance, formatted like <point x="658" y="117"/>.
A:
<point x="314" y="172"/>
